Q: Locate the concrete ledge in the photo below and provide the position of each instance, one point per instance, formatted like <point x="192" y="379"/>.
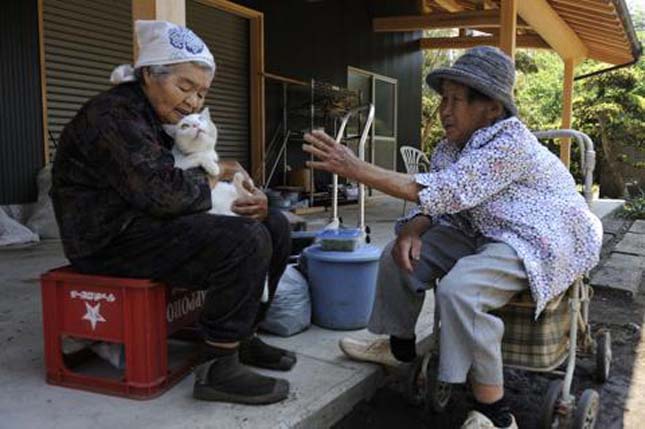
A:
<point x="605" y="207"/>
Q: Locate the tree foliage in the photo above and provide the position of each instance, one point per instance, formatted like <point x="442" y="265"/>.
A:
<point x="609" y="107"/>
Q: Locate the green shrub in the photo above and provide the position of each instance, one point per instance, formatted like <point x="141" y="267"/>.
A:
<point x="634" y="208"/>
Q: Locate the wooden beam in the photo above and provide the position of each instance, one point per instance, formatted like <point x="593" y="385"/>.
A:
<point x="508" y="27"/>
<point x="608" y="57"/>
<point x="568" y="16"/>
<point x="553" y="29"/>
<point x="596" y="39"/>
<point x="257" y="103"/>
<point x="230" y="7"/>
<point x="141" y="9"/>
<point x="283" y="79"/>
<point x="593" y="6"/>
<point x="598" y="27"/>
<point x="587" y="33"/>
<point x="567" y="108"/>
<point x="469" y="19"/>
<point x="449" y="5"/>
<point x="522" y="41"/>
<point x="43" y="81"/>
<point x="423" y="7"/>
<point x="257" y="120"/>
<point x="599" y="49"/>
<point x="560" y="8"/>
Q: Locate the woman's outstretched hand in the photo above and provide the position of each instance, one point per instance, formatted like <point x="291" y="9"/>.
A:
<point x="332" y="156"/>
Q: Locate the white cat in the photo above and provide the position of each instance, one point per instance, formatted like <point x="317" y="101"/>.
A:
<point x="195" y="139"/>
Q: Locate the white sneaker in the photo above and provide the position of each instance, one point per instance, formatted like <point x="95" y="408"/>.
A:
<point x="477" y="420"/>
<point x="377" y="351"/>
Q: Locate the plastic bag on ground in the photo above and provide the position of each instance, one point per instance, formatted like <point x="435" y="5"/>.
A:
<point x="43" y="221"/>
<point x="12" y="232"/>
<point x="290" y="311"/>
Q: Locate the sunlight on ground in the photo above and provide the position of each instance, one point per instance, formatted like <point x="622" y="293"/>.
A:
<point x="635" y="408"/>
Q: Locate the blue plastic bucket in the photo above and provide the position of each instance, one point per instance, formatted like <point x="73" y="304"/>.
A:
<point x="342" y="286"/>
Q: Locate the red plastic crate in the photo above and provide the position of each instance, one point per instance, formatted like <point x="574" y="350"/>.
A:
<point x="138" y="313"/>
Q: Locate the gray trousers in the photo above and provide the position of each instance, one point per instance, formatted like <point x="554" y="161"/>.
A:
<point x="477" y="275"/>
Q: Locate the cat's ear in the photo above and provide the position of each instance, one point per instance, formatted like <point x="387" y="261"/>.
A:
<point x="205" y="114"/>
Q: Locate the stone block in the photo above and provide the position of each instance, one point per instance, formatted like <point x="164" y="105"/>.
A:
<point x="612" y="224"/>
<point x="618" y="278"/>
<point x="632" y="243"/>
<point x="638" y="227"/>
<point x="623" y="260"/>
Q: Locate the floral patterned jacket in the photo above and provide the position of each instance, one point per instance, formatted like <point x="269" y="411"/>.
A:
<point x="113" y="164"/>
<point x="508" y="187"/>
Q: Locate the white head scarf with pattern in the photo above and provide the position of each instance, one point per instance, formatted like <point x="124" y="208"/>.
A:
<point x="163" y="43"/>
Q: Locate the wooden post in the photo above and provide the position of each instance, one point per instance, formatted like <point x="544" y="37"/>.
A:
<point x="508" y="27"/>
<point x="43" y="82"/>
<point x="172" y="10"/>
<point x="165" y="10"/>
<point x="567" y="108"/>
<point x="552" y="28"/>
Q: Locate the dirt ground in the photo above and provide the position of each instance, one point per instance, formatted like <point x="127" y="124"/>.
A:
<point x="621" y="314"/>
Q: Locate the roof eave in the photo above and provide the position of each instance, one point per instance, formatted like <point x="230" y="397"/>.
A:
<point x="623" y="12"/>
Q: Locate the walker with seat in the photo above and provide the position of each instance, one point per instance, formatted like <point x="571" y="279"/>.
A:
<point x="543" y="345"/>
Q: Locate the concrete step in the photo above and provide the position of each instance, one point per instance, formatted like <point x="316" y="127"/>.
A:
<point x="325" y="384"/>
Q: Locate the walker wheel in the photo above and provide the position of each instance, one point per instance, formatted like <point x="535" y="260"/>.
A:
<point x="549" y="417"/>
<point x="415" y="382"/>
<point x="603" y="356"/>
<point x="437" y="392"/>
<point x="586" y="410"/>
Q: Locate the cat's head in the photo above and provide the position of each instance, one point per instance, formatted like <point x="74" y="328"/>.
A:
<point x="196" y="133"/>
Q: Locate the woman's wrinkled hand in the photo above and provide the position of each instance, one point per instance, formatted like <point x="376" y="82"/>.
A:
<point x="333" y="157"/>
<point x="255" y="205"/>
<point x="407" y="247"/>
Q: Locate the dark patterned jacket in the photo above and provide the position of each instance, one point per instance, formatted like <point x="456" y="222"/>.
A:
<point x="113" y="164"/>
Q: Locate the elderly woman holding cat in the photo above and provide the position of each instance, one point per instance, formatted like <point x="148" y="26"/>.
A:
<point x="125" y="210"/>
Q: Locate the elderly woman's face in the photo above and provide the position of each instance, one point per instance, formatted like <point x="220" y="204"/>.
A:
<point x="178" y="94"/>
<point x="460" y="117"/>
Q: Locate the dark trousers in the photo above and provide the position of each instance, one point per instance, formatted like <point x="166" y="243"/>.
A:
<point x="227" y="256"/>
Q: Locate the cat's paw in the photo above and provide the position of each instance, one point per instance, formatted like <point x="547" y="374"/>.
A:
<point x="212" y="168"/>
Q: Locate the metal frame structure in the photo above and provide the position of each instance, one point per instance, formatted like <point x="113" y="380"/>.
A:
<point x="335" y="220"/>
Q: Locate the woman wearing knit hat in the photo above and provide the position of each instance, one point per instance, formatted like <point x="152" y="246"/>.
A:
<point x="498" y="214"/>
<point x="124" y="210"/>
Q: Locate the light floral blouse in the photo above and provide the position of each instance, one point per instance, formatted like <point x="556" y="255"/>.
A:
<point x="508" y="187"/>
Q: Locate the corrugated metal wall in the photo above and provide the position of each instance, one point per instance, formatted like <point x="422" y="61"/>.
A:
<point x="84" y="41"/>
<point x="227" y="36"/>
<point x="21" y="139"/>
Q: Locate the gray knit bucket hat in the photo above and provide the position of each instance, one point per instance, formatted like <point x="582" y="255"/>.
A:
<point x="484" y="68"/>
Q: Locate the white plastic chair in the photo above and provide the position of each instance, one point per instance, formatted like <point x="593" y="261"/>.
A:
<point x="415" y="161"/>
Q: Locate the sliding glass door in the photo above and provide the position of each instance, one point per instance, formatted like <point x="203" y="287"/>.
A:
<point x="382" y="92"/>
